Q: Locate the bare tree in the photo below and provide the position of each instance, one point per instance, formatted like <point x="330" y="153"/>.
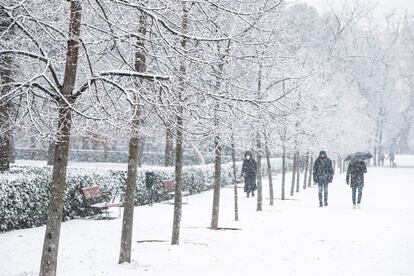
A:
<point x="55" y="209"/>
<point x="233" y="159"/>
<point x="169" y="143"/>
<point x="294" y="166"/>
<point x="283" y="170"/>
<point x="305" y="176"/>
<point x="175" y="240"/>
<point x="259" y="174"/>
<point x="269" y="169"/>
<point x="6" y="63"/>
<point x="298" y="172"/>
<point x="310" y="171"/>
<point x="133" y="154"/>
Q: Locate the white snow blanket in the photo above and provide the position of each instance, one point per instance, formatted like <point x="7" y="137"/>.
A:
<point x="293" y="237"/>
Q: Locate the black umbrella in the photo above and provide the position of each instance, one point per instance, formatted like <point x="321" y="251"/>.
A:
<point x="359" y="156"/>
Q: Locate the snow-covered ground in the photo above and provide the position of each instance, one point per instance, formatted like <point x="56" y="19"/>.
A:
<point x="294" y="237"/>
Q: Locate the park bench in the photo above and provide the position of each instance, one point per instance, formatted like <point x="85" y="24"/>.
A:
<point x="169" y="186"/>
<point x="94" y="192"/>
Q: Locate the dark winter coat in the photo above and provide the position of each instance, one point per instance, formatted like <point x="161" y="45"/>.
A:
<point x="355" y="173"/>
<point x="323" y="170"/>
<point x="249" y="172"/>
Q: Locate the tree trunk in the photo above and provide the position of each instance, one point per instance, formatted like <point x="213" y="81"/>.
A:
<point x="305" y="176"/>
<point x="6" y="62"/>
<point x="310" y="172"/>
<point x="380" y="137"/>
<point x="233" y="159"/>
<point x="269" y="171"/>
<point x="283" y="170"/>
<point x="217" y="180"/>
<point x="298" y="172"/>
<point x="129" y="201"/>
<point x="292" y="185"/>
<point x="133" y="152"/>
<point x="4" y="151"/>
<point x="168" y="162"/>
<point x="51" y="240"/>
<point x="175" y="239"/>
<point x="259" y="175"/>
<point x="217" y="144"/>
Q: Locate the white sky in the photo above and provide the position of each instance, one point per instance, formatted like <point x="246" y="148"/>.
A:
<point x="383" y="4"/>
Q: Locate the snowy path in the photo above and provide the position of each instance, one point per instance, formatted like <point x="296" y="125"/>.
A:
<point x="294" y="237"/>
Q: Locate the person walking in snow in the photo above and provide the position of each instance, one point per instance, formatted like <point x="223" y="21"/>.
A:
<point x="355" y="178"/>
<point x="249" y="173"/>
<point x="391" y="157"/>
<point x="381" y="159"/>
<point x="323" y="174"/>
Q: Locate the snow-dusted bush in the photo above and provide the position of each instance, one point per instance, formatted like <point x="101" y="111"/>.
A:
<point x="81" y="155"/>
<point x="24" y="191"/>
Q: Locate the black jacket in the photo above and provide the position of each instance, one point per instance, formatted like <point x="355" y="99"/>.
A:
<point x="323" y="170"/>
<point x="249" y="168"/>
<point x="355" y="173"/>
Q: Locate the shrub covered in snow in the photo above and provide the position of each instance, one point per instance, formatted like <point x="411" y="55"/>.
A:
<point x="24" y="191"/>
<point x="81" y="155"/>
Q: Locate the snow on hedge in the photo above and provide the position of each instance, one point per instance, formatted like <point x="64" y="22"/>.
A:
<point x="24" y="191"/>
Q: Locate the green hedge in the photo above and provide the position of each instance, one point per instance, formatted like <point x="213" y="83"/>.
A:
<point x="24" y="191"/>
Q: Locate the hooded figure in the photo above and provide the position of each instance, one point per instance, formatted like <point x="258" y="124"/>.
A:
<point x="355" y="178"/>
<point x="249" y="173"/>
<point x="323" y="175"/>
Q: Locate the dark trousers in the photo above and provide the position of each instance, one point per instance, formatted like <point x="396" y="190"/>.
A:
<point x="323" y="189"/>
<point x="354" y="192"/>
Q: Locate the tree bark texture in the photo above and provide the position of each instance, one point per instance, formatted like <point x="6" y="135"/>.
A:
<point x="217" y="183"/>
<point x="298" y="158"/>
<point x="269" y="171"/>
<point x="283" y="171"/>
<point x="233" y="159"/>
<point x="305" y="176"/>
<point x="133" y="152"/>
<point x="292" y="185"/>
<point x="217" y="143"/>
<point x="129" y="200"/>
<point x="169" y="147"/>
<point x="310" y="172"/>
<point x="175" y="239"/>
<point x="6" y="63"/>
<point x="55" y="209"/>
<point x="259" y="174"/>
<point x="4" y="148"/>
